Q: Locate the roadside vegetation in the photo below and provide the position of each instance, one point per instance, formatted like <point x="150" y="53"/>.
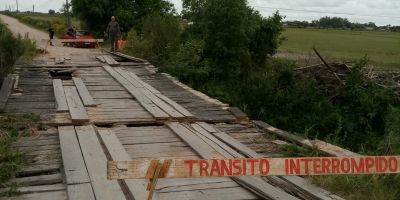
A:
<point x="11" y="49"/>
<point x="224" y="48"/>
<point x="13" y="127"/>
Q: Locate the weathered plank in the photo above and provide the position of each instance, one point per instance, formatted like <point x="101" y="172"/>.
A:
<point x="260" y="187"/>
<point x="39" y="188"/>
<point x="321" y="146"/>
<point x="95" y="160"/>
<point x="40" y="180"/>
<point x="137" y="188"/>
<point x="74" y="165"/>
<point x="5" y="91"/>
<point x="292" y="185"/>
<point x="75" y="105"/>
<point x="161" y="104"/>
<point x="56" y="195"/>
<point x="83" y="92"/>
<point x="80" y="192"/>
<point x="59" y="94"/>
<point x="101" y="59"/>
<point x="155" y="111"/>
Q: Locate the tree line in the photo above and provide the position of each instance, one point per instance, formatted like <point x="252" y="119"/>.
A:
<point x="339" y="23"/>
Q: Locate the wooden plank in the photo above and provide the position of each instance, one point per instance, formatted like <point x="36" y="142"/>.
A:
<point x="59" y="94"/>
<point x="40" y="180"/>
<point x="101" y="59"/>
<point x="109" y="60"/>
<point x="198" y="145"/>
<point x="129" y="57"/>
<point x="255" y="184"/>
<point x="80" y="192"/>
<point x="75" y="105"/>
<point x="137" y="188"/>
<point x="74" y="165"/>
<point x="39" y="188"/>
<point x="83" y="92"/>
<point x="158" y="94"/>
<point x="301" y="189"/>
<point x="161" y="104"/>
<point x="232" y="142"/>
<point x="155" y="111"/>
<point x="95" y="160"/>
<point x="56" y="195"/>
<point x="321" y="146"/>
<point x="5" y="91"/>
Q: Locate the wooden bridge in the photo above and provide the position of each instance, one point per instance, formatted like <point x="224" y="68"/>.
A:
<point x="101" y="107"/>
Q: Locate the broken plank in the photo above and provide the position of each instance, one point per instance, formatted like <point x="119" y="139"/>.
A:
<point x="5" y="91"/>
<point x="75" y="105"/>
<point x="96" y="160"/>
<point x="74" y="165"/>
<point x="59" y="94"/>
<point x="83" y="92"/>
<point x="137" y="188"/>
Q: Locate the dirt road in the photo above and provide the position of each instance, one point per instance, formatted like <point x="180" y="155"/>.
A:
<point x="41" y="38"/>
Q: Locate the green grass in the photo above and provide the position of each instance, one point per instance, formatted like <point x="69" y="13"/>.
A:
<point x="382" y="48"/>
<point x="12" y="127"/>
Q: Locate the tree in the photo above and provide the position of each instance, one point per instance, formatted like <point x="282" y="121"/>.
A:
<point x="129" y="13"/>
<point x="52" y="12"/>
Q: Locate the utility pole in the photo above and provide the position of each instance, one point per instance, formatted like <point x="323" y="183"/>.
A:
<point x="68" y="14"/>
<point x="17" y="5"/>
<point x="33" y="8"/>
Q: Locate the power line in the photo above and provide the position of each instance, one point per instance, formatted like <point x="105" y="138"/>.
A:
<point x="326" y="12"/>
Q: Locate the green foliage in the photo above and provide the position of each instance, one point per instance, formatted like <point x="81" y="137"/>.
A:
<point x="11" y="49"/>
<point x="160" y="37"/>
<point x="12" y="127"/>
<point x="97" y="13"/>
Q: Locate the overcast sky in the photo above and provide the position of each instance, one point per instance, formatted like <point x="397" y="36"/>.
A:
<point x="381" y="12"/>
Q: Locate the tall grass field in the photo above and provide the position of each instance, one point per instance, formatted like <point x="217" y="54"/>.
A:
<point x="382" y="48"/>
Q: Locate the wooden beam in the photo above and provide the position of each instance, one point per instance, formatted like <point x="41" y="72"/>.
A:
<point x="84" y="92"/>
<point x="75" y="105"/>
<point x="74" y="165"/>
<point x="96" y="160"/>
<point x="260" y="187"/>
<point x="155" y="111"/>
<point x="59" y="94"/>
<point x="80" y="192"/>
<point x="293" y="185"/>
<point x="5" y="91"/>
<point x="114" y="148"/>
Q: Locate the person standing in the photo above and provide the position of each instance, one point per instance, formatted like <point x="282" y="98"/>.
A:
<point x="114" y="32"/>
<point x="51" y="35"/>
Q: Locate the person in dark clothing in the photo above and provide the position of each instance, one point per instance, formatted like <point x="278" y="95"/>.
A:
<point x="114" y="32"/>
<point x="51" y="35"/>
